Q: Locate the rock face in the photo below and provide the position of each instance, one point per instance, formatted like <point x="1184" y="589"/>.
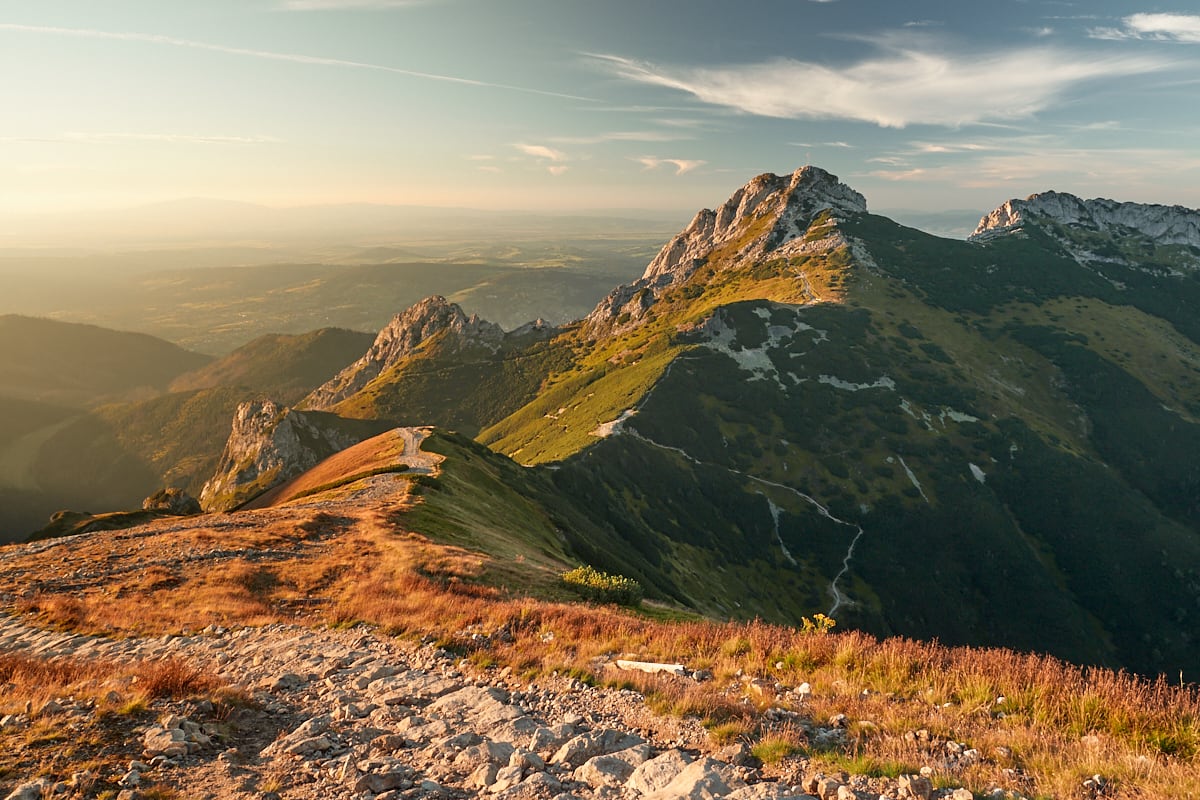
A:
<point x="268" y="445"/>
<point x="770" y="214"/>
<point x="172" y="500"/>
<point x="406" y="332"/>
<point x="1163" y="224"/>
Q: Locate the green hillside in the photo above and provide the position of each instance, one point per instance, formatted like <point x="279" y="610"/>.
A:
<point x="993" y="427"/>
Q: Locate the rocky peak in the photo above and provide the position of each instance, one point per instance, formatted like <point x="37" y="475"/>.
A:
<point x="267" y="445"/>
<point x="1164" y="225"/>
<point x="406" y="332"/>
<point x="788" y="203"/>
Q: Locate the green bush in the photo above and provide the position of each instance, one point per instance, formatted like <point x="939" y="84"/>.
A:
<point x="592" y="584"/>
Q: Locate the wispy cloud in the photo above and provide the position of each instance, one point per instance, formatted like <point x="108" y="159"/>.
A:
<point x="1036" y="163"/>
<point x="621" y="136"/>
<point x="334" y="5"/>
<point x="175" y="138"/>
<point x="681" y="165"/>
<point x="541" y="151"/>
<point x="92" y="137"/>
<point x="557" y="169"/>
<point x="908" y="82"/>
<point x="1183" y="28"/>
<point x="844" y="145"/>
<point x="270" y="55"/>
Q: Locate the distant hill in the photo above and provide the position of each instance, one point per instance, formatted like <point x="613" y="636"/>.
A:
<point x="283" y="367"/>
<point x="82" y="365"/>
<point x="110" y="457"/>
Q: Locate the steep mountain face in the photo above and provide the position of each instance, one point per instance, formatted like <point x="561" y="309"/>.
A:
<point x="268" y="445"/>
<point x="769" y="216"/>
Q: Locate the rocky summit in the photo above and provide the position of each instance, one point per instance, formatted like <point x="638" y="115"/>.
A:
<point x="769" y="216"/>
<point x="406" y="332"/>
<point x="1164" y="224"/>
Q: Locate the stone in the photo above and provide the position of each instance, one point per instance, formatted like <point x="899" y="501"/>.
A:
<point x="174" y="501"/>
<point x="487" y="752"/>
<point x="738" y="754"/>
<point x="700" y="780"/>
<point x="959" y="794"/>
<point x="378" y="782"/>
<point x="483" y="776"/>
<point x="656" y="773"/>
<point x="288" y="682"/>
<point x="159" y="741"/>
<point x="506" y="778"/>
<point x="50" y="708"/>
<point x="29" y="791"/>
<point x="916" y="787"/>
<point x="827" y="788"/>
<point x="611" y="770"/>
<point x="594" y="743"/>
<point x="768" y="790"/>
<point x="308" y="746"/>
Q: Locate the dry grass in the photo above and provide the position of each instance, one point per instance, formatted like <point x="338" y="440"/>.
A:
<point x="1041" y="726"/>
<point x="35" y="680"/>
<point x="106" y="702"/>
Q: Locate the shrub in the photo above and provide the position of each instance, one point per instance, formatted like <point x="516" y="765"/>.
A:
<point x="592" y="584"/>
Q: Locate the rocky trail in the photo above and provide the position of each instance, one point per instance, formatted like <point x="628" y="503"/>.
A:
<point x="354" y="714"/>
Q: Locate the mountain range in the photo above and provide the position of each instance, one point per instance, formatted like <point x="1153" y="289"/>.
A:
<point x="801" y="408"/>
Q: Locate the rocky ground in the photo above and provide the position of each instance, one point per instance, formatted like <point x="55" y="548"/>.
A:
<point x="354" y="714"/>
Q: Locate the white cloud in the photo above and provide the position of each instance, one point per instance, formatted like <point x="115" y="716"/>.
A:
<point x="557" y="169"/>
<point x="681" y="165"/>
<point x="899" y="175"/>
<point x="1157" y="27"/>
<point x="541" y="151"/>
<point x="489" y="168"/>
<point x="270" y="55"/>
<point x="908" y="82"/>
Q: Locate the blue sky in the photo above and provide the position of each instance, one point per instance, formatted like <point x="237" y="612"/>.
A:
<point x="563" y="104"/>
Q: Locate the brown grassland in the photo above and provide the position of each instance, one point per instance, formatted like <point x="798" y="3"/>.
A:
<point x="1041" y="726"/>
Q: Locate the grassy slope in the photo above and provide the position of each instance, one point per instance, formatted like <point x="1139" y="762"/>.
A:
<point x="1024" y="556"/>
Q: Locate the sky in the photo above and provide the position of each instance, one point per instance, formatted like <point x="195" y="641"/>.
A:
<point x="571" y="105"/>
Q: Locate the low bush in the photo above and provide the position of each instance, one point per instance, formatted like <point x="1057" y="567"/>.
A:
<point x="600" y="587"/>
